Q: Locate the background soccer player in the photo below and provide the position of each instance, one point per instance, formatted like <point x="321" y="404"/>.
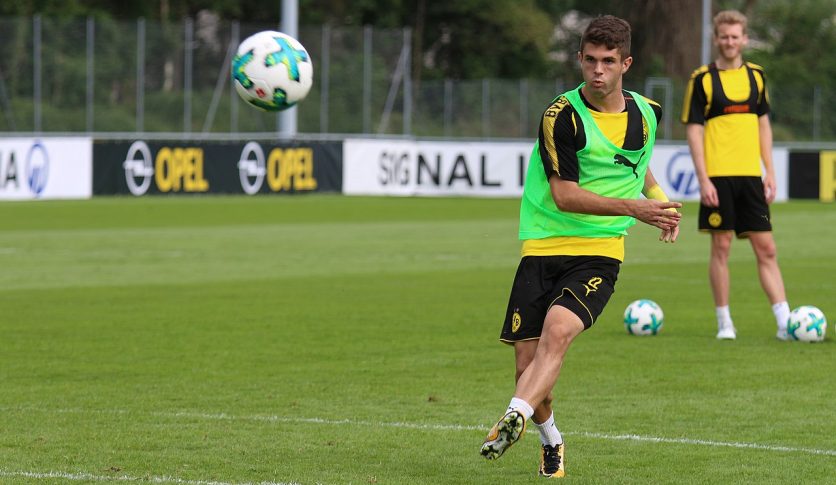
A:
<point x="582" y="191"/>
<point x="726" y="109"/>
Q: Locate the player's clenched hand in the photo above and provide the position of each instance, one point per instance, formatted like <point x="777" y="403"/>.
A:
<point x="708" y="194"/>
<point x="657" y="213"/>
<point x="769" y="188"/>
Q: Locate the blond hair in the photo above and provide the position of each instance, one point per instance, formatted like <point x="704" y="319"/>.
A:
<point x="729" y="17"/>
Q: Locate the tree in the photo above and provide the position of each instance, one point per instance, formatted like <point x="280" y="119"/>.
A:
<point x="665" y="33"/>
<point x="794" y="42"/>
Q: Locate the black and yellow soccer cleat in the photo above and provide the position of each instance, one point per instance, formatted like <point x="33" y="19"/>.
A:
<point x="551" y="461"/>
<point x="505" y="433"/>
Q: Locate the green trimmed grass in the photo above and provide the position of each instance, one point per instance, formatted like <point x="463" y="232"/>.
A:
<point x="329" y="339"/>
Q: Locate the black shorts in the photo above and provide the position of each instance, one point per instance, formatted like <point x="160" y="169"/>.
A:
<point x="583" y="284"/>
<point x="743" y="207"/>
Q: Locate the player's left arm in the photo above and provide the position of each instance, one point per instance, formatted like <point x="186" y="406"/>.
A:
<point x="765" y="137"/>
<point x="652" y="190"/>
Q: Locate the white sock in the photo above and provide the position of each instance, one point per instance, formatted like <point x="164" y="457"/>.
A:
<point x="724" y="317"/>
<point x="521" y="406"/>
<point x="549" y="435"/>
<point x="782" y="314"/>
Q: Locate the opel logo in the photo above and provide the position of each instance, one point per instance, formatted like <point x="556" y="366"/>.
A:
<point x="138" y="171"/>
<point x="251" y="168"/>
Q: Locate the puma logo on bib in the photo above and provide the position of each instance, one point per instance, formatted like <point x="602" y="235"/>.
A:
<point x="622" y="160"/>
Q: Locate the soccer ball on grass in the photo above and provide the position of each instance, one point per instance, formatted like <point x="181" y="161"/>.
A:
<point x="272" y="71"/>
<point x="643" y="317"/>
<point x="807" y="324"/>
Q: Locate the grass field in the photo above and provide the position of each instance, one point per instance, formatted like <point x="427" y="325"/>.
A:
<point x="335" y="340"/>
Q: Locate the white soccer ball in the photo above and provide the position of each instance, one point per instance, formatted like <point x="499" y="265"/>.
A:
<point x="272" y="71"/>
<point x="807" y="324"/>
<point x="643" y="317"/>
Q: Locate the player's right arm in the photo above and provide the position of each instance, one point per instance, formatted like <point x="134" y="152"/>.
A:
<point x="570" y="197"/>
<point x="693" y="115"/>
<point x="561" y="136"/>
<point x="652" y="190"/>
<point x="695" y="133"/>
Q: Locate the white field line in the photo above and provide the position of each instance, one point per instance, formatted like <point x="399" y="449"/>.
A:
<point x="88" y="477"/>
<point x="441" y="427"/>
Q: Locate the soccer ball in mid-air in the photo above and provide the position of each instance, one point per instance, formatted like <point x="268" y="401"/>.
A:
<point x="807" y="324"/>
<point x="272" y="71"/>
<point x="643" y="317"/>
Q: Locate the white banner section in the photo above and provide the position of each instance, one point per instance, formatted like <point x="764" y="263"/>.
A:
<point x="492" y="169"/>
<point x="46" y="168"/>
<point x="407" y="167"/>
<point x="674" y="170"/>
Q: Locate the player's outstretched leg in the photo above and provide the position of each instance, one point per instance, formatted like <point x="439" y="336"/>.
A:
<point x="551" y="461"/>
<point x="504" y="433"/>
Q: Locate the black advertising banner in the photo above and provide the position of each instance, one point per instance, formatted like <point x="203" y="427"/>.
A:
<point x="206" y="167"/>
<point x="804" y="175"/>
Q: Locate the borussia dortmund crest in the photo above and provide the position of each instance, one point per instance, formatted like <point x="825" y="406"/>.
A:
<point x="715" y="219"/>
<point x="516" y="320"/>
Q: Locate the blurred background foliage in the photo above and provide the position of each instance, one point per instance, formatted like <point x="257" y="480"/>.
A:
<point x="471" y="40"/>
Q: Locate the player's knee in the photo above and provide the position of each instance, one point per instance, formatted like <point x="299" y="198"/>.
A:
<point x="559" y="337"/>
<point x="766" y="251"/>
<point x="721" y="247"/>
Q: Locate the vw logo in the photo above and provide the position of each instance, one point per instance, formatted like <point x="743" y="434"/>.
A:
<point x="681" y="175"/>
<point x="251" y="168"/>
<point x="37" y="168"/>
<point x="138" y="168"/>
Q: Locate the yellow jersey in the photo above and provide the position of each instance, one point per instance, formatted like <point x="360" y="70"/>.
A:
<point x="728" y="102"/>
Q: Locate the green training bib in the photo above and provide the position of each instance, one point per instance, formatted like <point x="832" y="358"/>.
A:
<point x="603" y="168"/>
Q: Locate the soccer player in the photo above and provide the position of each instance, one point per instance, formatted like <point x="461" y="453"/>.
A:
<point x="582" y="191"/>
<point x="726" y="111"/>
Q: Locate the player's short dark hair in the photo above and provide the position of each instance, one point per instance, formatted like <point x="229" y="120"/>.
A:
<point x="609" y="31"/>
